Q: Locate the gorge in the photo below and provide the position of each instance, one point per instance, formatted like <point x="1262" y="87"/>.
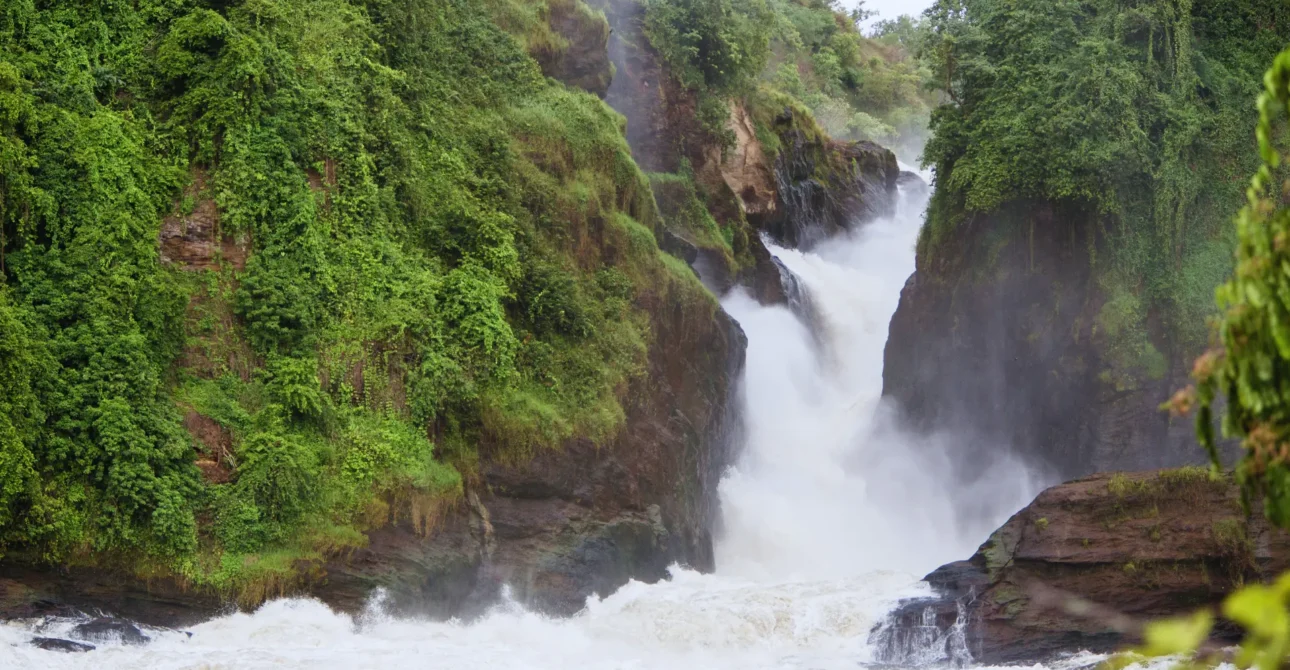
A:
<point x="531" y="333"/>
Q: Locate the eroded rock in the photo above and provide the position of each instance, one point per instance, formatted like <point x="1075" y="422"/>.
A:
<point x="822" y="188"/>
<point x="1007" y="337"/>
<point x="1143" y="545"/>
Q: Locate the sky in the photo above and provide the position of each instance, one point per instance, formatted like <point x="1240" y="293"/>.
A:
<point x="890" y="9"/>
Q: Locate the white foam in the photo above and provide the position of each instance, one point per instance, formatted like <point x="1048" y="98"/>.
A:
<point x="831" y="516"/>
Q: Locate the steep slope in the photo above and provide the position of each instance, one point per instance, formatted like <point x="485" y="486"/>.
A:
<point x="718" y="140"/>
<point x="307" y="290"/>
<point x="1087" y="168"/>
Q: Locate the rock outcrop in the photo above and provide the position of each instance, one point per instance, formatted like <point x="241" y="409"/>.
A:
<point x="568" y="524"/>
<point x="582" y="61"/>
<point x="807" y="190"/>
<point x="585" y="519"/>
<point x="1143" y="545"/>
<point x="1004" y="333"/>
<point x="822" y="187"/>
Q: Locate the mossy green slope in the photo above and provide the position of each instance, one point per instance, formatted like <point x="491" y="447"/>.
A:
<point x="425" y="251"/>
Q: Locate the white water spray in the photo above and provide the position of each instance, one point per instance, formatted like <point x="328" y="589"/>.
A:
<point x="829" y="485"/>
<point x="831" y="516"/>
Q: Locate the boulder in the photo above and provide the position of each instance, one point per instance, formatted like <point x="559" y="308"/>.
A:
<point x="108" y="629"/>
<point x="56" y="644"/>
<point x="1084" y="565"/>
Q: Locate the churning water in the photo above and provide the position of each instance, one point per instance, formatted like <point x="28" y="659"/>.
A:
<point x="830" y="517"/>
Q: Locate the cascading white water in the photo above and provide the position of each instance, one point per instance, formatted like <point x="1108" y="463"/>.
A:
<point x="829" y="486"/>
<point x="831" y="516"/>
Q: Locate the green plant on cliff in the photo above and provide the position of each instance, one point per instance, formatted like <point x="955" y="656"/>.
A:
<point x="1250" y="372"/>
<point x="402" y="278"/>
<point x="810" y="52"/>
<point x="714" y="48"/>
<point x="871" y="87"/>
<point x="1132" y="117"/>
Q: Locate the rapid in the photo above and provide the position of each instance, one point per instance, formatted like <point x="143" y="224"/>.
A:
<point x="830" y="517"/>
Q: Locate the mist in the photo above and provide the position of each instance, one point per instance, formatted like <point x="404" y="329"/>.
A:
<point x="830" y="484"/>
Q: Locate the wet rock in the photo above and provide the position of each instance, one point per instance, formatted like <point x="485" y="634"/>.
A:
<point x="583" y="61"/>
<point x="823" y="187"/>
<point x="107" y="629"/>
<point x="56" y="644"/>
<point x="1001" y="338"/>
<point x="1145" y="545"/>
<point x="30" y="590"/>
<point x="912" y="183"/>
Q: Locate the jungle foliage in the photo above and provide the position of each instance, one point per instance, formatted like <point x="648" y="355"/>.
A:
<point x="400" y="278"/>
<point x="855" y="86"/>
<point x="1250" y="371"/>
<point x="1134" y="116"/>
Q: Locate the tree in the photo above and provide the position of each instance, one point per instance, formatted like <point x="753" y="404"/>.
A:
<point x="859" y="14"/>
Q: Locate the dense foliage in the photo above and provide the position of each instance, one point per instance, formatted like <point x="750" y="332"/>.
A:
<point x="812" y="51"/>
<point x="1251" y="371"/>
<point x="399" y="275"/>
<point x="1134" y="115"/>
<point x="858" y="87"/>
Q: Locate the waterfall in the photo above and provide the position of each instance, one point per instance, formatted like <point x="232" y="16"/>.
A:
<point x="931" y="640"/>
<point x="831" y="516"/>
<point x="829" y="485"/>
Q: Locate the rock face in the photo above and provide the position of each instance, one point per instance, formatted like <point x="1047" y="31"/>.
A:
<point x="581" y="520"/>
<point x="584" y="62"/>
<point x="571" y="523"/>
<point x="823" y="188"/>
<point x="1145" y="545"/>
<point x="1003" y="332"/>
<point x="33" y="592"/>
<point x="811" y="189"/>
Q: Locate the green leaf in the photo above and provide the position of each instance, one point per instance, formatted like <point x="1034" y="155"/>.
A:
<point x="1183" y="635"/>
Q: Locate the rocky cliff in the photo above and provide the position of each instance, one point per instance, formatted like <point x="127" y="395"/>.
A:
<point x="803" y="189"/>
<point x="1067" y="266"/>
<point x="1085" y="565"/>
<point x="1006" y="334"/>
<point x="565" y="525"/>
<point x="585" y="519"/>
<point x="556" y="523"/>
<point x="506" y="484"/>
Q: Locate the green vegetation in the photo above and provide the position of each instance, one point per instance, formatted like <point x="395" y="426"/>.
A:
<point x="1252" y="370"/>
<point x="1250" y="373"/>
<point x="398" y="279"/>
<point x="1131" y="116"/>
<point x="808" y="54"/>
<point x="871" y="87"/>
<point x="1187" y="484"/>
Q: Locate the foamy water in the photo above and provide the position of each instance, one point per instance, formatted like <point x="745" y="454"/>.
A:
<point x="831" y="516"/>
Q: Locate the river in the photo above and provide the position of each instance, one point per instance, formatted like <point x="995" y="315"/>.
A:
<point x="830" y="517"/>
